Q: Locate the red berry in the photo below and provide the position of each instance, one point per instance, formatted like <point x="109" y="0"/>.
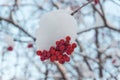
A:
<point x="68" y="38"/>
<point x="62" y="41"/>
<point x="42" y="58"/>
<point x="39" y="53"/>
<point x="60" y="56"/>
<point x="69" y="50"/>
<point x="64" y="56"/>
<point x="48" y="55"/>
<point x="10" y="48"/>
<point x="57" y="42"/>
<point x="53" y="58"/>
<point x="57" y="53"/>
<point x="96" y="1"/>
<point x="68" y="46"/>
<point x="45" y="53"/>
<point x="67" y="59"/>
<point x="30" y="45"/>
<point x="52" y="50"/>
<point x="114" y="61"/>
<point x="62" y="47"/>
<point x="61" y="61"/>
<point x="74" y="45"/>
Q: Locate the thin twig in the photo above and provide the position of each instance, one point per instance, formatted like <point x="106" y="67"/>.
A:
<point x="99" y="53"/>
<point x="104" y="18"/>
<point x="93" y="28"/>
<point x="81" y="7"/>
<point x="17" y="26"/>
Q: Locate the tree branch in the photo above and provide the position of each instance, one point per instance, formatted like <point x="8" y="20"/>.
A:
<point x="104" y="19"/>
<point x="90" y="29"/>
<point x="17" y="26"/>
<point x="62" y="70"/>
<point x="81" y="7"/>
<point x="99" y="54"/>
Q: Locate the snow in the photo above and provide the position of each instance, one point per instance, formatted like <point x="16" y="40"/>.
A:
<point x="54" y="26"/>
<point x="9" y="40"/>
<point x="99" y="21"/>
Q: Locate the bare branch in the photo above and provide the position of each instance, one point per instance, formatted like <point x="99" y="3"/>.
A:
<point x="115" y="3"/>
<point x="55" y="4"/>
<point x="17" y="26"/>
<point x="104" y="19"/>
<point x="99" y="54"/>
<point x="81" y="7"/>
<point x="62" y="70"/>
<point x="90" y="29"/>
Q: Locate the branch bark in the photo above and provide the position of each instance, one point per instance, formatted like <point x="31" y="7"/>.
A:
<point x="17" y="26"/>
<point x="93" y="28"/>
<point x="99" y="54"/>
<point x="81" y="7"/>
<point x="62" y="70"/>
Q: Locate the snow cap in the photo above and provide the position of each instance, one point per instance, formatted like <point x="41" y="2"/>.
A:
<point x="54" y="26"/>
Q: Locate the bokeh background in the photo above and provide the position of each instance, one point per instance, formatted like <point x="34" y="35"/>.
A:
<point x="97" y="56"/>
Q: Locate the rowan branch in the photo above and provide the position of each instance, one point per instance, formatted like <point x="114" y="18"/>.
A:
<point x="102" y="14"/>
<point x="17" y="26"/>
<point x="99" y="54"/>
<point x="62" y="70"/>
<point x="81" y="7"/>
<point x="93" y="28"/>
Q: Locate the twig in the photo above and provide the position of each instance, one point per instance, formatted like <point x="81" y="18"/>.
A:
<point x="62" y="70"/>
<point x="104" y="19"/>
<point x="93" y="28"/>
<point x="115" y="3"/>
<point x="46" y="73"/>
<point x="54" y="4"/>
<point x="85" y="57"/>
<point x="17" y="26"/>
<point x="81" y="7"/>
<point x="99" y="54"/>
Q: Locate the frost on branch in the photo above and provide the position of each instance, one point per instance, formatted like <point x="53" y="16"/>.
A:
<point x="54" y="26"/>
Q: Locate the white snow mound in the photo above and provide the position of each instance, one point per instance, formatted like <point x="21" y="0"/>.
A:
<point x="54" y="26"/>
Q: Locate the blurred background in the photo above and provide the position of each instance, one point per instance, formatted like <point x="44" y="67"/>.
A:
<point x="97" y="56"/>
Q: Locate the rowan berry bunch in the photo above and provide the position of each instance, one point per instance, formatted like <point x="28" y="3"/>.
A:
<point x="60" y="52"/>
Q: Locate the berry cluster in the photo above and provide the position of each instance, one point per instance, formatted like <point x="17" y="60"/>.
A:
<point x="59" y="53"/>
